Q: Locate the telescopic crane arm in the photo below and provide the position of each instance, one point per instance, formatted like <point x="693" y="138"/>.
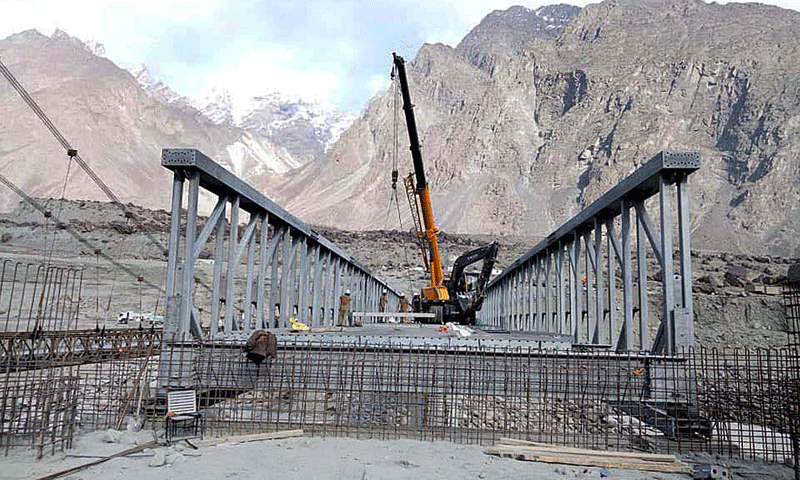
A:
<point x="436" y="291"/>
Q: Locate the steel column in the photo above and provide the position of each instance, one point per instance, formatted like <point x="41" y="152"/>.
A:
<point x="685" y="339"/>
<point x="230" y="276"/>
<point x="187" y="285"/>
<point x="644" y="309"/>
<point x="174" y="232"/>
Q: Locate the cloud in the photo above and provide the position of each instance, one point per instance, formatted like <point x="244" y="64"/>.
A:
<point x="377" y="83"/>
<point x="335" y="50"/>
<point x="274" y="69"/>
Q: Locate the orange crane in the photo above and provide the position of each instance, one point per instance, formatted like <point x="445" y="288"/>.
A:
<point x="455" y="299"/>
<point x="436" y="291"/>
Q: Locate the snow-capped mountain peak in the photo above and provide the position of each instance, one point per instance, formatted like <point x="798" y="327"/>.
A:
<point x="303" y="128"/>
<point x="277" y="115"/>
<point x="92" y="46"/>
<point x="216" y="104"/>
<point x="155" y="87"/>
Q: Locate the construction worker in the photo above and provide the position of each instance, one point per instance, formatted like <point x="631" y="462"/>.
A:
<point x="382" y="303"/>
<point x="402" y="307"/>
<point x="344" y="309"/>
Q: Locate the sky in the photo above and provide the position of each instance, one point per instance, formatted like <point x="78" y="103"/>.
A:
<point x="337" y="52"/>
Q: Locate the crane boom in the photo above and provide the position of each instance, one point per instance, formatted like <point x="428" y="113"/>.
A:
<point x="437" y="291"/>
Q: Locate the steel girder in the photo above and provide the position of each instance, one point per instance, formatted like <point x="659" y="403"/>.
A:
<point x="289" y="269"/>
<point x="548" y="290"/>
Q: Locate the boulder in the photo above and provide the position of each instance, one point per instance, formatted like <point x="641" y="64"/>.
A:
<point x="735" y="276"/>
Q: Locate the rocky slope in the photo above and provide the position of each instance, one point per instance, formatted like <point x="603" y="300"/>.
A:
<point x="517" y="141"/>
<point x="503" y="33"/>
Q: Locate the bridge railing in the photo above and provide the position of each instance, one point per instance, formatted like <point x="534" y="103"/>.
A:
<point x="290" y="270"/>
<point x="567" y="283"/>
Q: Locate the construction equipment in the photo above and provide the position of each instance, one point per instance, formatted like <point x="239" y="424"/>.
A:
<point x="298" y="326"/>
<point x="457" y="299"/>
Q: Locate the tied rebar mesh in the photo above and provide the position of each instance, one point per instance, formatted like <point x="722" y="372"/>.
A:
<point x="738" y="403"/>
<point x="791" y="309"/>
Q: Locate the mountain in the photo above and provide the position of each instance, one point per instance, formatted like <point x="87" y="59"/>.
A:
<point x="216" y="105"/>
<point x="304" y="129"/>
<point x="156" y="88"/>
<point x="119" y="121"/>
<point x="503" y="33"/>
<point x="522" y="130"/>
<point x="531" y="117"/>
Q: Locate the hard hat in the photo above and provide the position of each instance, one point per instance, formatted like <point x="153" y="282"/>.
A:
<point x="402" y="294"/>
<point x="384" y="290"/>
<point x="347" y="292"/>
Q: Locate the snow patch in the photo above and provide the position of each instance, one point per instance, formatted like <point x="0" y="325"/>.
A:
<point x="216" y="104"/>
<point x="265" y="157"/>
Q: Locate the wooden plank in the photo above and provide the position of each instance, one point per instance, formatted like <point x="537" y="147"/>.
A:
<point x="652" y="457"/>
<point x="554" y="450"/>
<point x="129" y="451"/>
<point x="250" y="438"/>
<point x="591" y="461"/>
<point x="396" y="314"/>
<point x="325" y="329"/>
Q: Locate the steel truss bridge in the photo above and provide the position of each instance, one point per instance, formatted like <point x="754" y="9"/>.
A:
<point x="21" y="351"/>
<point x="567" y="284"/>
<point x="291" y="270"/>
<point x="582" y="281"/>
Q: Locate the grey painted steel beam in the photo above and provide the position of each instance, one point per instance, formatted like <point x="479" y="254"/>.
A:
<point x="216" y="179"/>
<point x="263" y="261"/>
<point x="216" y="293"/>
<point x="174" y="232"/>
<point x="247" y="235"/>
<point x="337" y="288"/>
<point x="599" y="324"/>
<point x="666" y="342"/>
<point x="532" y="289"/>
<point x="649" y="230"/>
<point x="292" y="266"/>
<point x="303" y="278"/>
<point x="286" y="255"/>
<point x="611" y="275"/>
<point x="278" y="237"/>
<point x="251" y="257"/>
<point x="562" y="294"/>
<point x="230" y="275"/>
<point x="208" y="227"/>
<point x="591" y="273"/>
<point x="187" y="285"/>
<point x="588" y="306"/>
<point x="626" y="342"/>
<point x="640" y="185"/>
<point x="684" y="235"/>
<point x="317" y="287"/>
<point x="644" y="308"/>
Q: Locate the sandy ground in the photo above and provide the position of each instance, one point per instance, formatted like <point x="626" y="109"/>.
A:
<point x="325" y="458"/>
<point x="297" y="458"/>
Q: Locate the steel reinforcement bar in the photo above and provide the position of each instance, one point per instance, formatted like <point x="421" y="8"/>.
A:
<point x="559" y="287"/>
<point x="33" y="350"/>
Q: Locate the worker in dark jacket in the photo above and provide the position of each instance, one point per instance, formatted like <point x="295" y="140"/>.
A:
<point x="402" y="306"/>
